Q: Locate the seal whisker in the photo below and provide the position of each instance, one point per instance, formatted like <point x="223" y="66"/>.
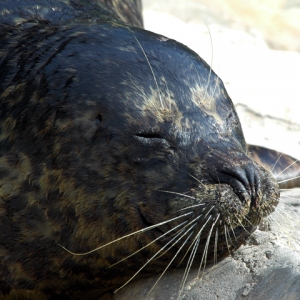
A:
<point x="125" y="236"/>
<point x="297" y="160"/>
<point x="204" y="255"/>
<point x="194" y="240"/>
<point x="209" y="211"/>
<point x="192" y="206"/>
<point x="184" y="195"/>
<point x="289" y="205"/>
<point x="189" y="264"/>
<point x="197" y="180"/>
<point x="274" y="165"/>
<point x="191" y="222"/>
<point x="211" y="62"/>
<point x="232" y="230"/>
<point x="169" y="95"/>
<point x="268" y="212"/>
<point x="198" y="234"/>
<point x="199" y="78"/>
<point x="279" y="220"/>
<point x="288" y="197"/>
<point x="154" y="256"/>
<point x="195" y="244"/>
<point x="266" y="225"/>
<point x="177" y="193"/>
<point x="177" y="234"/>
<point x="269" y="221"/>
<point x="172" y="229"/>
<point x="283" y="212"/>
<point x="246" y="219"/>
<point x="203" y="258"/>
<point x="216" y="246"/>
<point x="154" y="77"/>
<point x="167" y="267"/>
<point x="215" y="88"/>
<point x="279" y="217"/>
<point x="286" y="180"/>
<point x="225" y="233"/>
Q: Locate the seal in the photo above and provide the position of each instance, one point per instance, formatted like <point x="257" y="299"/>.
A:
<point x="285" y="169"/>
<point x="121" y="153"/>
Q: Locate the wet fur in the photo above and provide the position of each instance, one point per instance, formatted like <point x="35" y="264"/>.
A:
<point x="109" y="130"/>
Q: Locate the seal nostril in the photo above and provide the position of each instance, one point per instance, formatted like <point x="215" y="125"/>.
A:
<point x="238" y="182"/>
<point x="240" y="175"/>
<point x="245" y="181"/>
<point x="255" y="184"/>
<point x="256" y="197"/>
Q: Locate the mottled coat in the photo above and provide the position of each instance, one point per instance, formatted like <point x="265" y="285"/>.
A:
<point x="107" y="129"/>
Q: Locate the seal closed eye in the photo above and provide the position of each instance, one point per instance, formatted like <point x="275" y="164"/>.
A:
<point x="119" y="145"/>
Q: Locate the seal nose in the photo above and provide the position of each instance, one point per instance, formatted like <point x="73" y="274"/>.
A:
<point x="245" y="182"/>
<point x="242" y="175"/>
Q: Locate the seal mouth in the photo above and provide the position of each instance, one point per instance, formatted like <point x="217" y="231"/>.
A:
<point x="222" y="214"/>
<point x="245" y="182"/>
<point x="249" y="181"/>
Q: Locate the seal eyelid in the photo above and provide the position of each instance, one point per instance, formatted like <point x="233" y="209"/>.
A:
<point x="149" y="135"/>
<point x="151" y="138"/>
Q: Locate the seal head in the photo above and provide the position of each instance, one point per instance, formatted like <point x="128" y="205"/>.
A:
<point x="109" y="130"/>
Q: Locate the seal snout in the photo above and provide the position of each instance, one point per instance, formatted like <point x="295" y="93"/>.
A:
<point x="243" y="175"/>
<point x="245" y="182"/>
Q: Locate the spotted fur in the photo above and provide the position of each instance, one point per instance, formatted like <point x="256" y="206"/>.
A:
<point x="105" y="130"/>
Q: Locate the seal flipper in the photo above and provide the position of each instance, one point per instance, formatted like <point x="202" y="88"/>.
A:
<point x="282" y="166"/>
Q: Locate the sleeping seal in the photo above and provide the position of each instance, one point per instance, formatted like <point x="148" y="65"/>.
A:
<point x="115" y="143"/>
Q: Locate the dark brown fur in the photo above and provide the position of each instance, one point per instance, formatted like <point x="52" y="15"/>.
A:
<point x="107" y="129"/>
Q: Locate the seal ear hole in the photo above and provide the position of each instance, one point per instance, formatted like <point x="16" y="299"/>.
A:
<point x="98" y="120"/>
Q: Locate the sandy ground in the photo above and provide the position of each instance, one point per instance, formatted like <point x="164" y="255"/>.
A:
<point x="252" y="48"/>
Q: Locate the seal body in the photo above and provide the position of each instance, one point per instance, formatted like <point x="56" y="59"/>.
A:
<point x="106" y="130"/>
<point x="286" y="169"/>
